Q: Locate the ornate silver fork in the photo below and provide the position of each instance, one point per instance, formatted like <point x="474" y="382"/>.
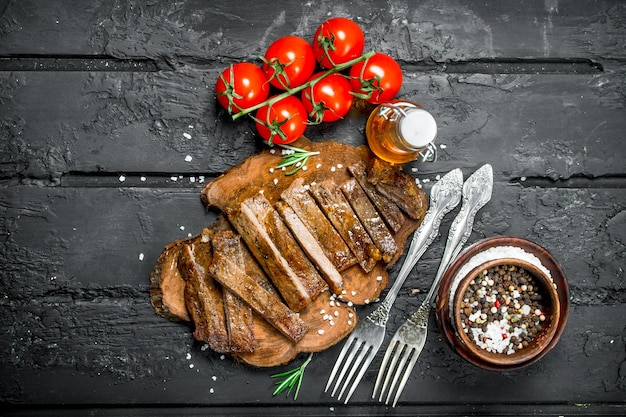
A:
<point x="369" y="334"/>
<point x="410" y="338"/>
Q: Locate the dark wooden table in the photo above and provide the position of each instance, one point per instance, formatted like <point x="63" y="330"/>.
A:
<point x="109" y="130"/>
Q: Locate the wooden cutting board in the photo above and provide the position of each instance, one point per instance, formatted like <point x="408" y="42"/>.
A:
<point x="330" y="318"/>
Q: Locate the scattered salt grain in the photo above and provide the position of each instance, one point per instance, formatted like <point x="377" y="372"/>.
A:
<point x="353" y="293"/>
<point x="141" y="256"/>
<point x="174" y="178"/>
<point x="271" y="170"/>
<point x="188" y="356"/>
<point x="272" y="151"/>
<point x="350" y="315"/>
<point x="339" y="166"/>
<point x="187" y="135"/>
<point x="414" y="169"/>
<point x="261" y="191"/>
<point x="212" y="390"/>
<point x="122" y="178"/>
<point x="379" y="278"/>
<point x="320" y="331"/>
<point x="332" y="169"/>
<point x="188" y="158"/>
<point x="201" y="179"/>
<point x="438" y="177"/>
<point x="182" y="227"/>
<point x="318" y="166"/>
<point x="322" y="311"/>
<point x="204" y="347"/>
<point x="443" y="146"/>
<point x="214" y="378"/>
<point x="191" y="365"/>
<point x="275" y="181"/>
<point x="523" y="179"/>
<point x="143" y="179"/>
<point x="192" y="179"/>
<point x="367" y="301"/>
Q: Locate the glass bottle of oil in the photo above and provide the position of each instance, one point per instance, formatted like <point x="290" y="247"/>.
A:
<point x="401" y="131"/>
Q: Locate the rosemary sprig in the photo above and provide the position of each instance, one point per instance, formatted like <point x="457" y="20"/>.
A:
<point x="291" y="378"/>
<point x="295" y="157"/>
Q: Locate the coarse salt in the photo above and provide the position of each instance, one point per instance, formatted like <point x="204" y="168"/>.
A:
<point x="187" y="135"/>
<point x="188" y="158"/>
<point x="141" y="256"/>
<point x="122" y="178"/>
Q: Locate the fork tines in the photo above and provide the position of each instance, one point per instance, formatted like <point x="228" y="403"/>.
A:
<point x="356" y="351"/>
<point x="397" y="372"/>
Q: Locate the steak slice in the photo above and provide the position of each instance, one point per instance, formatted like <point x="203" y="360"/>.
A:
<point x="238" y="313"/>
<point x="311" y="247"/>
<point x="274" y="247"/>
<point x="251" y="266"/>
<point x="203" y="295"/>
<point x="341" y="215"/>
<point x="167" y="286"/>
<point x="389" y="211"/>
<point x="371" y="220"/>
<point x="399" y="187"/>
<point x="269" y="306"/>
<point x="333" y="245"/>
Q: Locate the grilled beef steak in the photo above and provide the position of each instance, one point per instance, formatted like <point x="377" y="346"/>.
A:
<point x="388" y="210"/>
<point x="399" y="187"/>
<point x="305" y="207"/>
<point x="370" y="219"/>
<point x="311" y="247"/>
<point x="341" y="215"/>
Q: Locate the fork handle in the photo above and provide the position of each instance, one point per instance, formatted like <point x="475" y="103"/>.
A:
<point x="448" y="198"/>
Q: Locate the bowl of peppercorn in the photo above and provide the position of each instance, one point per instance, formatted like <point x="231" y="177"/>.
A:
<point x="503" y="303"/>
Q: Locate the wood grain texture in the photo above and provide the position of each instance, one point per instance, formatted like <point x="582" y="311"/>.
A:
<point x="95" y="95"/>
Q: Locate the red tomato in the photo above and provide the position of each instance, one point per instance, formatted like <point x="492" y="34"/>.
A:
<point x="282" y="122"/>
<point x="337" y="40"/>
<point x="377" y="79"/>
<point x="241" y="86"/>
<point x="329" y="99"/>
<point x="289" y="62"/>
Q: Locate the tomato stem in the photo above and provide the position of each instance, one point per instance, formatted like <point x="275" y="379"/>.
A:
<point x="295" y="90"/>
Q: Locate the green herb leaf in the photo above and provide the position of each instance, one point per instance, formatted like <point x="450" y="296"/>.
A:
<point x="291" y="378"/>
<point x="294" y="157"/>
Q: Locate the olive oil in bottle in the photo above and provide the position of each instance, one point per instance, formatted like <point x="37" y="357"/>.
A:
<point x="401" y="131"/>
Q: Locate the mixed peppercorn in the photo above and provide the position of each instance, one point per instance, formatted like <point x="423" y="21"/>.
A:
<point x="502" y="309"/>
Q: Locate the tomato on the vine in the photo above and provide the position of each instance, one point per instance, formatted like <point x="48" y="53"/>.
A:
<point x="377" y="79"/>
<point x="289" y="62"/>
<point x="282" y="122"/>
<point x="241" y="86"/>
<point x="336" y="41"/>
<point x="328" y="99"/>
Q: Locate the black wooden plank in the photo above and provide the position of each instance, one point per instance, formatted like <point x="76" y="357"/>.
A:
<point x="76" y="304"/>
<point x="447" y="30"/>
<point x="551" y="126"/>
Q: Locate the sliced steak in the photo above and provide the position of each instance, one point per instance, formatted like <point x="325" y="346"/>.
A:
<point x="389" y="211"/>
<point x="371" y="220"/>
<point x="269" y="306"/>
<point x="203" y="296"/>
<point x="238" y="313"/>
<point x="311" y="247"/>
<point x="278" y="253"/>
<point x="333" y="245"/>
<point x="399" y="187"/>
<point x="345" y="220"/>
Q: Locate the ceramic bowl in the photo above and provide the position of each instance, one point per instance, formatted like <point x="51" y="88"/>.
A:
<point x="462" y="274"/>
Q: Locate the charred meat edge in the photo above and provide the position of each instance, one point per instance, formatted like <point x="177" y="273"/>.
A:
<point x="370" y="218"/>
<point x="399" y="187"/>
<point x="311" y="247"/>
<point x="268" y="306"/>
<point x="341" y="215"/>
<point x="305" y="207"/>
<point x="390" y="212"/>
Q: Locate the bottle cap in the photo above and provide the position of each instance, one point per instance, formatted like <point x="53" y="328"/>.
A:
<point x="418" y="128"/>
